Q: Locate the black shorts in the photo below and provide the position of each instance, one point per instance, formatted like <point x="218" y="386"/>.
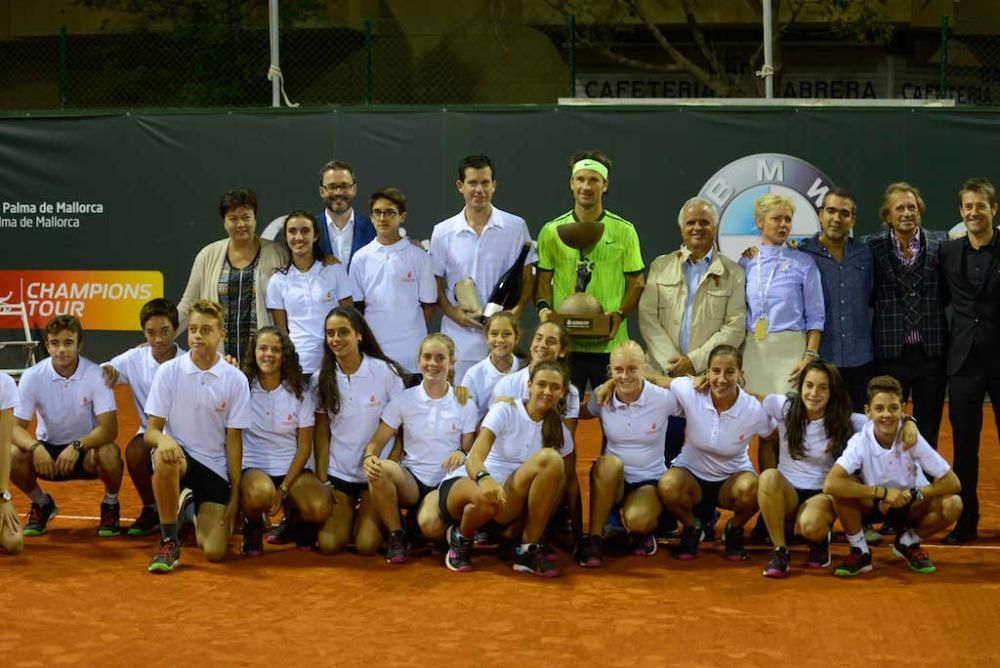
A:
<point x="709" y="496"/>
<point x="897" y="517"/>
<point x="632" y="486"/>
<point x="443" y="490"/>
<point x="351" y="489"/>
<point x="78" y="472"/>
<point x="806" y="494"/>
<point x="422" y="490"/>
<point x="206" y="485"/>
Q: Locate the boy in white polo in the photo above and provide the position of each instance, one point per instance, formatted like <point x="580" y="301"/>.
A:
<point x="136" y="367"/>
<point x="77" y="426"/>
<point x="889" y="485"/>
<point x="480" y="242"/>
<point x="393" y="282"/>
<point x="198" y="406"/>
<point x="11" y="538"/>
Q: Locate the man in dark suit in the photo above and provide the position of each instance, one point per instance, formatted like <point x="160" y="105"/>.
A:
<point x="970" y="269"/>
<point x="909" y="327"/>
<point x="342" y="230"/>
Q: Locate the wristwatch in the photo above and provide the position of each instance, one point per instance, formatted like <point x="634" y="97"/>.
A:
<point x="5" y="496"/>
<point x="78" y="446"/>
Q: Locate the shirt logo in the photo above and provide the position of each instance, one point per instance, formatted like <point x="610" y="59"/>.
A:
<point x="372" y="400"/>
<point x="408" y="278"/>
<point x="734" y="188"/>
<point x="652" y="427"/>
<point x="329" y="296"/>
<point x="743" y="437"/>
<point x="223" y="406"/>
<point x="290" y="418"/>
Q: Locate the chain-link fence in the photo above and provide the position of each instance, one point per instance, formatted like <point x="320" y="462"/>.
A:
<point x="970" y="66"/>
<point x="475" y="61"/>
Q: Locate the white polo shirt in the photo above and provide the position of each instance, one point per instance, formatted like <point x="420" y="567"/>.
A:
<point x="518" y="437"/>
<point x="516" y="385"/>
<point x="457" y="252"/>
<point x="306" y="297"/>
<point x="8" y="392"/>
<point x="136" y="368"/>
<point x="892" y="467"/>
<point x="432" y="429"/>
<point x="200" y="405"/>
<point x="393" y="281"/>
<point x="363" y="397"/>
<point x="271" y="441"/>
<point x="482" y="377"/>
<point x="67" y="408"/>
<point x="716" y="445"/>
<point x="810" y="471"/>
<point x="635" y="432"/>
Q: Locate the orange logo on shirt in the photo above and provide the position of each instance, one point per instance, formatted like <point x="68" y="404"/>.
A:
<point x="408" y="278"/>
<point x="291" y="417"/>
<point x="222" y="407"/>
<point x="372" y="400"/>
<point x="652" y="427"/>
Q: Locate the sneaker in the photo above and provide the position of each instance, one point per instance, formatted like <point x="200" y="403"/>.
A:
<point x="547" y="549"/>
<point x="872" y="537"/>
<point x="590" y="552"/>
<point x="915" y="556"/>
<point x="397" y="551"/>
<point x="777" y="566"/>
<point x="459" y="556"/>
<point x="147" y="522"/>
<point x="708" y="526"/>
<point x="532" y="560"/>
<point x="734" y="543"/>
<point x="485" y="540"/>
<point x="111" y="524"/>
<point x="819" y="554"/>
<point x="687" y="549"/>
<point x="284" y="533"/>
<point x="857" y="562"/>
<point x="38" y="518"/>
<point x="666" y="528"/>
<point x="186" y="518"/>
<point x="644" y="545"/>
<point x="168" y="556"/>
<point x="253" y="538"/>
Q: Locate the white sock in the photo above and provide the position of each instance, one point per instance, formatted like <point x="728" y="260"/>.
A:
<point x="909" y="538"/>
<point x="523" y="547"/>
<point x="111" y="499"/>
<point x="38" y="496"/>
<point x="858" y="540"/>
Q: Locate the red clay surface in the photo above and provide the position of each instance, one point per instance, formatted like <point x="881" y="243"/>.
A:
<point x="72" y="598"/>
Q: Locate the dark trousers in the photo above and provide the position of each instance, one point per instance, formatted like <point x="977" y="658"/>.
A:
<point x="856" y="378"/>
<point x="923" y="379"/>
<point x="967" y="389"/>
<point x="591" y="367"/>
<point x="674" y="438"/>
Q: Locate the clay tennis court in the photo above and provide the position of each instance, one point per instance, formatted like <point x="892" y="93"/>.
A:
<point x="72" y="598"/>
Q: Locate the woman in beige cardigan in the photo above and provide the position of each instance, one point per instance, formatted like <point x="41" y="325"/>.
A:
<point x="234" y="272"/>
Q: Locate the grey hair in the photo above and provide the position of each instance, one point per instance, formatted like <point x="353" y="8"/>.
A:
<point x="692" y="202"/>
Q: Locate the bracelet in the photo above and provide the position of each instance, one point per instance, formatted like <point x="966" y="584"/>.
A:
<point x="482" y="474"/>
<point x="35" y="446"/>
<point x="367" y="456"/>
<point x="283" y="490"/>
<point x="542" y="304"/>
<point x="812" y="354"/>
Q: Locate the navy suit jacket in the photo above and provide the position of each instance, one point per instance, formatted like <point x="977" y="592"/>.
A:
<point x="364" y="232"/>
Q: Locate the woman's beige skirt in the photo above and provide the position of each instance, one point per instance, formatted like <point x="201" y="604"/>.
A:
<point x="767" y="363"/>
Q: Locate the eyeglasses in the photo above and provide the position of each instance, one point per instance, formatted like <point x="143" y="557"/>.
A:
<point x="334" y="187"/>
<point x="384" y="213"/>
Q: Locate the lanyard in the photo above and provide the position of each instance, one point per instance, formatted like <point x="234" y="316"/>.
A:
<point x="762" y="289"/>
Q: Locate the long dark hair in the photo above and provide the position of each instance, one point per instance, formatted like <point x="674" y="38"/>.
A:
<point x="329" y="394"/>
<point x="552" y="425"/>
<point x="836" y="420"/>
<point x="317" y="249"/>
<point x="291" y="370"/>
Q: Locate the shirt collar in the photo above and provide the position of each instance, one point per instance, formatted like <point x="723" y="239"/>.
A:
<point x="397" y="247"/>
<point x="348" y="226"/>
<point x="639" y="402"/>
<point x="152" y="360"/>
<point x="493" y="221"/>
<point x="732" y="412"/>
<point x="189" y="367"/>
<point x="914" y="243"/>
<point x="77" y="375"/>
<point x="991" y="244"/>
<point x="363" y="371"/>
<point x="873" y="440"/>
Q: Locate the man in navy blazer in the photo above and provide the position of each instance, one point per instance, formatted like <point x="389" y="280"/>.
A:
<point x="342" y="230"/>
<point x="909" y="327"/>
<point x="970" y="269"/>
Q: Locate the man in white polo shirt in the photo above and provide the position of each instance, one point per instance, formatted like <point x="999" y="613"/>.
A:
<point x="77" y="426"/>
<point x="197" y="409"/>
<point x="136" y="368"/>
<point x="889" y="489"/>
<point x="480" y="242"/>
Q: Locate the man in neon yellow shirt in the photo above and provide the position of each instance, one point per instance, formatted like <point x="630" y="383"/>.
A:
<point x="610" y="270"/>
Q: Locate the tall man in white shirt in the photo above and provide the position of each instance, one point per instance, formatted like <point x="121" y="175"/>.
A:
<point x="479" y="242"/>
<point x="77" y="426"/>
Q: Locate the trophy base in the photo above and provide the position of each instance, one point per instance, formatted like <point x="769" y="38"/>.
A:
<point x="583" y="324"/>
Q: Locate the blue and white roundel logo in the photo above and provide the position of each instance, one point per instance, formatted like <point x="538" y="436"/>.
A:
<point x="734" y="188"/>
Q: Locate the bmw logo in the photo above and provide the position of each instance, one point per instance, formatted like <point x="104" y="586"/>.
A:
<point x="734" y="188"/>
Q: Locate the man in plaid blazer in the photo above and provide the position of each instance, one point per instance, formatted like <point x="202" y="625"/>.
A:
<point x="909" y="328"/>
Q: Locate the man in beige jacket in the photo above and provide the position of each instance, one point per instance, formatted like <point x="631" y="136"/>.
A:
<point x="694" y="300"/>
